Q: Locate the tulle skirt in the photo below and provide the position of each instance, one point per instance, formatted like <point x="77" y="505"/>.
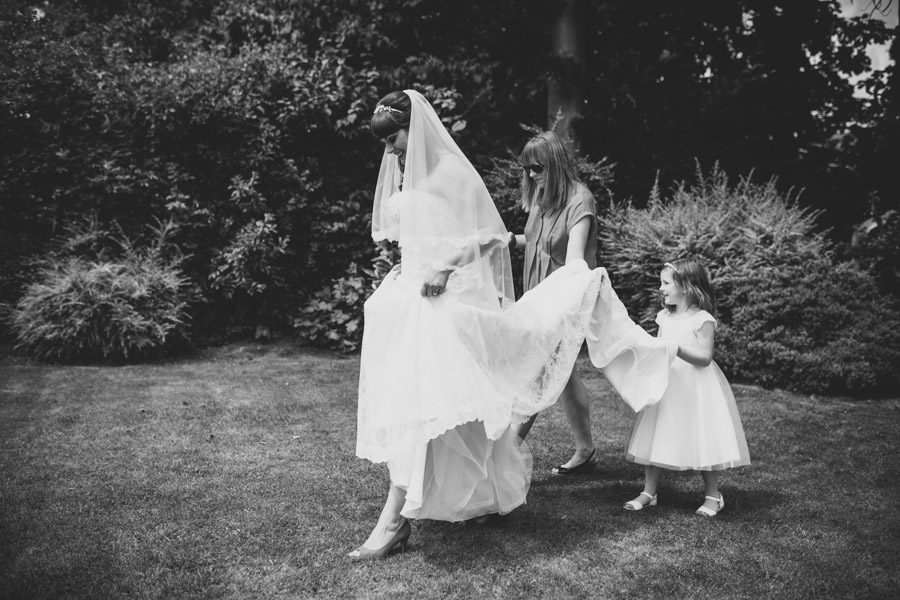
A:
<point x="462" y="474"/>
<point x="695" y="425"/>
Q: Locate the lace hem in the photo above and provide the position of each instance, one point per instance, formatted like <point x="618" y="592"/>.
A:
<point x="390" y="235"/>
<point x="547" y="388"/>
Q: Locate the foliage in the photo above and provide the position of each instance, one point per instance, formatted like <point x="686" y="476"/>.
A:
<point x="819" y="327"/>
<point x="792" y="316"/>
<point x="216" y="113"/>
<point x="333" y="317"/>
<point x="758" y="87"/>
<point x="102" y="298"/>
<point x="733" y="229"/>
<point x="876" y="244"/>
<point x="249" y="269"/>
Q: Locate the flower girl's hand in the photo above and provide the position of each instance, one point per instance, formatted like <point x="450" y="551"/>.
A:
<point x="673" y="348"/>
<point x="436" y="283"/>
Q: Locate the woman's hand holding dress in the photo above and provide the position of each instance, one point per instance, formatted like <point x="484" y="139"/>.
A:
<point x="435" y="283"/>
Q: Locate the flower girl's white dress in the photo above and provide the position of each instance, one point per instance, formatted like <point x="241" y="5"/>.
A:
<point x="696" y="424"/>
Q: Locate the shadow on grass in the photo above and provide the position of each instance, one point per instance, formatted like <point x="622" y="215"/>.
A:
<point x="232" y="475"/>
<point x="561" y="518"/>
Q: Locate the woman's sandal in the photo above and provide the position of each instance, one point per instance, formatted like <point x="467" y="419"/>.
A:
<point x="635" y="505"/>
<point x="583" y="468"/>
<point x="720" y="504"/>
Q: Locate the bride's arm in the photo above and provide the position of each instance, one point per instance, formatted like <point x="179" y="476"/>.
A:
<point x="436" y="281"/>
<point x="452" y="180"/>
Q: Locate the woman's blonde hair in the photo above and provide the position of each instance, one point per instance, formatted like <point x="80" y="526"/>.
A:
<point x="692" y="279"/>
<point x="560" y="180"/>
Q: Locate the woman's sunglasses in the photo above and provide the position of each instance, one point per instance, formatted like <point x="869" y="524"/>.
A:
<point x="536" y="168"/>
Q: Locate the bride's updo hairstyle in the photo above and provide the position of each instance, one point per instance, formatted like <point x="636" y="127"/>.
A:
<point x="392" y="113"/>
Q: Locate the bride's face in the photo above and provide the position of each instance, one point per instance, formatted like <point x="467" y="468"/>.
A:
<point x="396" y="143"/>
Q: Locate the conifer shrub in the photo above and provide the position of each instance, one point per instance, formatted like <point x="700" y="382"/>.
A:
<point x="817" y="327"/>
<point x="102" y="298"/>
<point x="790" y="314"/>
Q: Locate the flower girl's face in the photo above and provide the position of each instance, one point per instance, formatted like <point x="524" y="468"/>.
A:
<point x="672" y="294"/>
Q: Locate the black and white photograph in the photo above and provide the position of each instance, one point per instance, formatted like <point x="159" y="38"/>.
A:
<point x="449" y="299"/>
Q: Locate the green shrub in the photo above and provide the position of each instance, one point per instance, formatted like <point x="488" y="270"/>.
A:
<point x="333" y="317"/>
<point x="105" y="307"/>
<point x="876" y="244"/>
<point x="792" y="316"/>
<point x="817" y="327"/>
<point x="247" y="272"/>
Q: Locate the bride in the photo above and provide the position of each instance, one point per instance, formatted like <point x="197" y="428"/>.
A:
<point x="449" y="362"/>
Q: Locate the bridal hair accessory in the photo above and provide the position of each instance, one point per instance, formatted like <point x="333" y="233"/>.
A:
<point x="385" y="108"/>
<point x="444" y="210"/>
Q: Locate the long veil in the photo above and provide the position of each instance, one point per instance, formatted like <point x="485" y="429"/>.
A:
<point x="447" y="211"/>
<point x="429" y="365"/>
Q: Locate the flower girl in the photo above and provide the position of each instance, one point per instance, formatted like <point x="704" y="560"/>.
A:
<point x="696" y="423"/>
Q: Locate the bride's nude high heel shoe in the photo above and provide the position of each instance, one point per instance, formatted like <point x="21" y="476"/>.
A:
<point x="401" y="538"/>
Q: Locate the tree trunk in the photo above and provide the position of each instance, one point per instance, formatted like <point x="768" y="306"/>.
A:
<point x="565" y="93"/>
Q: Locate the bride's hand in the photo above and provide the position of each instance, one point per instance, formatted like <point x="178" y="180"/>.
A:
<point x="436" y="283"/>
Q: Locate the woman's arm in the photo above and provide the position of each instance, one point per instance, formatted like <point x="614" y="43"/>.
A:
<point x="516" y="241"/>
<point x="700" y="356"/>
<point x="436" y="281"/>
<point x="578" y="236"/>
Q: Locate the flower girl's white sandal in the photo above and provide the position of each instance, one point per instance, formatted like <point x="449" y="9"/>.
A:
<point x="720" y="504"/>
<point x="635" y="505"/>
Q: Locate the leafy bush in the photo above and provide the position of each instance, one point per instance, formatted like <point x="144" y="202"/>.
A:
<point x="876" y="244"/>
<point x="791" y="315"/>
<point x="333" y="317"/>
<point x="248" y="269"/>
<point x="817" y="327"/>
<point x="104" y="307"/>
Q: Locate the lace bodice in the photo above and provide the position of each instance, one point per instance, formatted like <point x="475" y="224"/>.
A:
<point x="420" y="258"/>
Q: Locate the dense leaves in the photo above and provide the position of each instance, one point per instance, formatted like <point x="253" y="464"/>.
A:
<point x="815" y="327"/>
<point x="756" y="86"/>
<point x="101" y="297"/>
<point x="244" y="121"/>
<point x="334" y="316"/>
<point x="792" y="316"/>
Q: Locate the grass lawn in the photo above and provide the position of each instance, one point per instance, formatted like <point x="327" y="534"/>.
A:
<point x="232" y="475"/>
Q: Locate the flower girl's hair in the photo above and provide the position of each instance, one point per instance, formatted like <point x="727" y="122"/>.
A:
<point x="692" y="279"/>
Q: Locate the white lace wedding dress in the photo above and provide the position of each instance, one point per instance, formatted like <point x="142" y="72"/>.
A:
<point x="442" y="378"/>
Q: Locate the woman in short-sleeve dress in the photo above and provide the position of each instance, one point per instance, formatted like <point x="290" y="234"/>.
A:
<point x="561" y="228"/>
